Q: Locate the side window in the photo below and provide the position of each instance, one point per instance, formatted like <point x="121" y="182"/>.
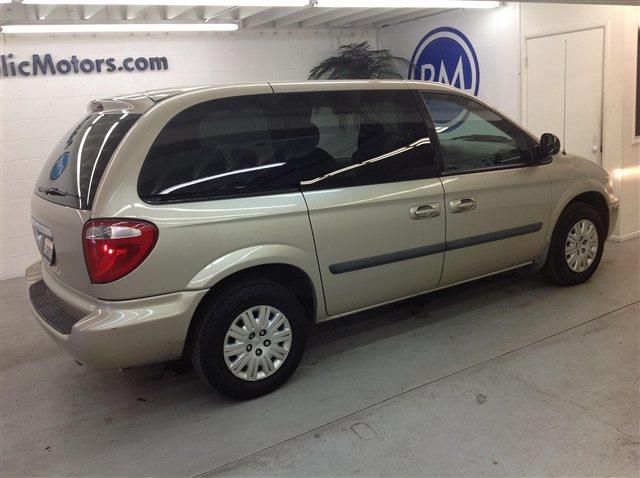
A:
<point x="217" y="149"/>
<point x="473" y="137"/>
<point x="352" y="138"/>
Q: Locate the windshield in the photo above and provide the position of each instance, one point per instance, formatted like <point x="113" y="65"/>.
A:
<point x="73" y="171"/>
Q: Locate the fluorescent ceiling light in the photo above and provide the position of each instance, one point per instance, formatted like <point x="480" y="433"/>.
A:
<point x="195" y="3"/>
<point x="120" y="27"/>
<point x="407" y="4"/>
<point x="283" y="3"/>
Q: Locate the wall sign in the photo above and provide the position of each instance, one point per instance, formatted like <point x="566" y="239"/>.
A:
<point x="445" y="55"/>
<point x="38" y="64"/>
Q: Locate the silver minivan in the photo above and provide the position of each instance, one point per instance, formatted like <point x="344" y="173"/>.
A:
<point x="218" y="222"/>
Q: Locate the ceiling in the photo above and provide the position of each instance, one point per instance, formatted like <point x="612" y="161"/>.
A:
<point x="307" y="17"/>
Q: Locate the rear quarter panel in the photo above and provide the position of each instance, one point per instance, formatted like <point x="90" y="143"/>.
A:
<point x="201" y="242"/>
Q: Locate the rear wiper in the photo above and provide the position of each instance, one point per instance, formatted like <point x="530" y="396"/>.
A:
<point x="53" y="191"/>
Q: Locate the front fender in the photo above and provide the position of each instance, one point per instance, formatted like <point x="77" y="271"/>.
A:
<point x="569" y="192"/>
<point x="565" y="191"/>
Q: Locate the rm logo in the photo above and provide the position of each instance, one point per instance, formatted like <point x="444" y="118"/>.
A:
<point x="446" y="56"/>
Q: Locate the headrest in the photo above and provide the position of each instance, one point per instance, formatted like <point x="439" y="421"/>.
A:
<point x="305" y="139"/>
<point x="371" y="134"/>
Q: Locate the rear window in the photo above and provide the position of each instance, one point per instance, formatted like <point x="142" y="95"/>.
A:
<point x="220" y="148"/>
<point x="73" y="171"/>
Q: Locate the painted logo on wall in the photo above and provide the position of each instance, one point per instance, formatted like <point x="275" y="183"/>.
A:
<point x="59" y="166"/>
<point x="38" y="64"/>
<point x="445" y="55"/>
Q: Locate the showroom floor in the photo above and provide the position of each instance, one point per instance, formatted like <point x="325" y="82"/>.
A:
<point x="505" y="376"/>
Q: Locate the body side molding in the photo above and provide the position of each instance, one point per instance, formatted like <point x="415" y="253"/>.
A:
<point x="373" y="261"/>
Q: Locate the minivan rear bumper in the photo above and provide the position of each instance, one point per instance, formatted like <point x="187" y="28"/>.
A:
<point x="111" y="334"/>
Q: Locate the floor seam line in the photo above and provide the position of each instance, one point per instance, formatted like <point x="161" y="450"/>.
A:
<point x="567" y="402"/>
<point x="404" y="392"/>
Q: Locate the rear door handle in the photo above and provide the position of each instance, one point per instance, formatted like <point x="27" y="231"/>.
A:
<point x="424" y="211"/>
<point x="463" y="205"/>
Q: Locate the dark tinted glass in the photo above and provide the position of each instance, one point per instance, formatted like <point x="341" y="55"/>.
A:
<point x="473" y="137"/>
<point x="73" y="171"/>
<point x="351" y="138"/>
<point x="231" y="146"/>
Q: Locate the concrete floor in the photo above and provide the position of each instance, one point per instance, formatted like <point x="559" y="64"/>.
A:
<point x="502" y="377"/>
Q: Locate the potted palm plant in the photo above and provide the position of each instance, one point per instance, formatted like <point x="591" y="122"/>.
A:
<point x="358" y="61"/>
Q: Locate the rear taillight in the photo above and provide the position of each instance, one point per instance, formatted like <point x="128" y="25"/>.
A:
<point x="115" y="247"/>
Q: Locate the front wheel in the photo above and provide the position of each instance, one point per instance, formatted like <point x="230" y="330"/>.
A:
<point x="249" y="339"/>
<point x="576" y="245"/>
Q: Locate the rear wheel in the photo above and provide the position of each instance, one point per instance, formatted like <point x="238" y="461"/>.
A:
<point x="249" y="339"/>
<point x="576" y="245"/>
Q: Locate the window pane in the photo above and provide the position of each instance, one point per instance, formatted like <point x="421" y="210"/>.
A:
<point x="218" y="148"/>
<point x="350" y="138"/>
<point x="473" y="137"/>
<point x="91" y="143"/>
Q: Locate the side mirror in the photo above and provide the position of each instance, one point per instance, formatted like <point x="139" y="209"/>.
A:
<point x="549" y="145"/>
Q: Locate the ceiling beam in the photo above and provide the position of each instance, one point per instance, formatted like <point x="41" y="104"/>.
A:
<point x="297" y="17"/>
<point x="407" y="17"/>
<point x="43" y="11"/>
<point x="400" y="12"/>
<point x="268" y="16"/>
<point x="360" y="15"/>
<point x="89" y="11"/>
<point x="210" y="13"/>
<point x="173" y="11"/>
<point x="246" y="12"/>
<point x="130" y="12"/>
<point x="332" y="14"/>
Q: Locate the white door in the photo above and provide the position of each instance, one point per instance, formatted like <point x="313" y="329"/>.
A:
<point x="545" y="86"/>
<point x="564" y="75"/>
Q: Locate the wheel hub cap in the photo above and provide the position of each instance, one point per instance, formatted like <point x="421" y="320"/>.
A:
<point x="581" y="246"/>
<point x="257" y="343"/>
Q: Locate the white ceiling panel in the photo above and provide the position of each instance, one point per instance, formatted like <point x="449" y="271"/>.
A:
<point x="250" y="14"/>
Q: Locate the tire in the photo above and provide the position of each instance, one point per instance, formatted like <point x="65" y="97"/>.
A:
<point x="557" y="267"/>
<point x="212" y="335"/>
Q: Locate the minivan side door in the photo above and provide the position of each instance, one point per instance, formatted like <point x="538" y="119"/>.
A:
<point x="371" y="185"/>
<point x="497" y="200"/>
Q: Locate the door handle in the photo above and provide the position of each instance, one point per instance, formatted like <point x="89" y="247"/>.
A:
<point x="424" y="211"/>
<point x="463" y="205"/>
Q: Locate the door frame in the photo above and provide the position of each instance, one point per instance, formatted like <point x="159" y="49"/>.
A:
<point x="606" y="26"/>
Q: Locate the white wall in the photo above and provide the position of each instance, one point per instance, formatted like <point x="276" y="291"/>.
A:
<point x="36" y="111"/>
<point x="494" y="35"/>
<point x="498" y="36"/>
<point x="621" y="150"/>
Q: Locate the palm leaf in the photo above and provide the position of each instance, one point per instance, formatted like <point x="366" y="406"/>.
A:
<point x="359" y="61"/>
